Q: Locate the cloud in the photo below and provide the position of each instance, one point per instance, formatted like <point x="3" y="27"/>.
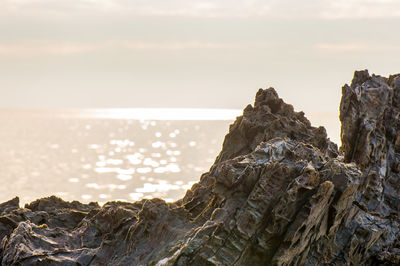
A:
<point x="358" y="9"/>
<point x="57" y="6"/>
<point x="37" y="48"/>
<point x="355" y="47"/>
<point x="33" y="48"/>
<point x="288" y="9"/>
<point x="176" y="46"/>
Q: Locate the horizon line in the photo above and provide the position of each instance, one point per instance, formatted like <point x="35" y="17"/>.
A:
<point x="141" y="113"/>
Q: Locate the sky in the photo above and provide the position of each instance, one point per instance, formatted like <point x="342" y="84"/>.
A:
<point x="191" y="54"/>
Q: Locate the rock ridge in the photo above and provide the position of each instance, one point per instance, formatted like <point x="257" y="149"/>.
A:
<point x="279" y="193"/>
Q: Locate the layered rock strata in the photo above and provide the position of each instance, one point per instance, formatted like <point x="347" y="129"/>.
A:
<point x="279" y="193"/>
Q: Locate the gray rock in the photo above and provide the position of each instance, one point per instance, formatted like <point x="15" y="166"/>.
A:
<point x="279" y="193"/>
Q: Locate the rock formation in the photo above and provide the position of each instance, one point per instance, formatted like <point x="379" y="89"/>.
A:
<point x="279" y="193"/>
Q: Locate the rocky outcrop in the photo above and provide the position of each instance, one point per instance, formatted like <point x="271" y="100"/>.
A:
<point x="279" y="193"/>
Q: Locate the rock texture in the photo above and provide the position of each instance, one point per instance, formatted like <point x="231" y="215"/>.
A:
<point x="279" y="193"/>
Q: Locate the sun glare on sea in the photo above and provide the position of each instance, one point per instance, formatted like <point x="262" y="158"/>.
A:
<point x="165" y="113"/>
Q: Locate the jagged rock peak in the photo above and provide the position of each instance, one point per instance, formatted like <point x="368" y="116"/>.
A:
<point x="271" y="117"/>
<point x="368" y="113"/>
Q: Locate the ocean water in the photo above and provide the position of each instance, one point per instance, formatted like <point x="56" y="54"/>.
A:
<point x="110" y="154"/>
<point x="103" y="155"/>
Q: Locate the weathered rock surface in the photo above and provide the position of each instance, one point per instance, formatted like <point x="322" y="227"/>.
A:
<point x="279" y="193"/>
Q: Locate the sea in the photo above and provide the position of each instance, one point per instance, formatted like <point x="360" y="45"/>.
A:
<point x="112" y="154"/>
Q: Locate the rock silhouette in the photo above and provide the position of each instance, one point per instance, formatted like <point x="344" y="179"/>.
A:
<point x="279" y="193"/>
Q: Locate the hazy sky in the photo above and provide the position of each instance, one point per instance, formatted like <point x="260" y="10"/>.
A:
<point x="192" y="53"/>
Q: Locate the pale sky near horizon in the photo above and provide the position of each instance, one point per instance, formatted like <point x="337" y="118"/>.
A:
<point x="198" y="54"/>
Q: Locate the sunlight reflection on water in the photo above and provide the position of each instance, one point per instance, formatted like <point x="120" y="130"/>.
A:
<point x="103" y="158"/>
<point x="90" y="157"/>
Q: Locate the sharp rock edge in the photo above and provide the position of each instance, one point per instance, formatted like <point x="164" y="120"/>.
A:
<point x="279" y="193"/>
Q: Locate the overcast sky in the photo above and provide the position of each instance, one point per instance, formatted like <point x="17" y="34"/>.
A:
<point x="192" y="53"/>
